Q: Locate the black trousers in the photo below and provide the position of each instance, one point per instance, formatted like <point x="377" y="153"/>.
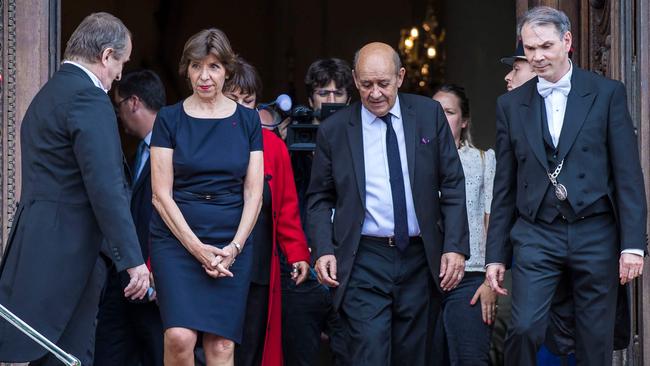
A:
<point x="127" y="333"/>
<point x="307" y="311"/>
<point x="461" y="335"/>
<point x="389" y="306"/>
<point x="251" y="349"/>
<point x="587" y="252"/>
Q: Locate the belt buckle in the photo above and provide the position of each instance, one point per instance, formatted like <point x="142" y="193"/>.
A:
<point x="391" y="241"/>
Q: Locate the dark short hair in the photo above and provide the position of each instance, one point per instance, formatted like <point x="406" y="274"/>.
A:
<point x="459" y="92"/>
<point x="545" y="15"/>
<point x="146" y="85"/>
<point x="97" y="32"/>
<point x="321" y="72"/>
<point x="208" y="41"/>
<point x="244" y="77"/>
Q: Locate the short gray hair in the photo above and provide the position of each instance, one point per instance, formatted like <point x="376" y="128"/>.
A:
<point x="97" y="32"/>
<point x="544" y="15"/>
<point x="396" y="60"/>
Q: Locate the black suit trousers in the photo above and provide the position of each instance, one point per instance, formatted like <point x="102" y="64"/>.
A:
<point x="389" y="305"/>
<point x="128" y="334"/>
<point x="587" y="252"/>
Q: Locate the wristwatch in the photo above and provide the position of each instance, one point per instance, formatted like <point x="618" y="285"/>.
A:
<point x="236" y="246"/>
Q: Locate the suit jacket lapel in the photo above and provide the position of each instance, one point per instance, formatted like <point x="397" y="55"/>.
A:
<point x="355" y="142"/>
<point x="579" y="101"/>
<point x="128" y="174"/>
<point x="409" y="126"/>
<point x="531" y="116"/>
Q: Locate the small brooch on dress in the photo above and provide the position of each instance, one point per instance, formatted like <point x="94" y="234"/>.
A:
<point x="425" y="140"/>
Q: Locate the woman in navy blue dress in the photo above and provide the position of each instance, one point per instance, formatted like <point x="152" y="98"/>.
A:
<point x="207" y="181"/>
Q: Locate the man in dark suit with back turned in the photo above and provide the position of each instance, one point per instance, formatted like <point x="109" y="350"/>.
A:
<point x="568" y="195"/>
<point x="389" y="168"/>
<point x="74" y="196"/>
<point x="131" y="333"/>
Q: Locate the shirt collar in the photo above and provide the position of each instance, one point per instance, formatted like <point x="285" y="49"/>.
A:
<point x="147" y="139"/>
<point x="463" y="146"/>
<point x="93" y="77"/>
<point x="369" y="117"/>
<point x="566" y="76"/>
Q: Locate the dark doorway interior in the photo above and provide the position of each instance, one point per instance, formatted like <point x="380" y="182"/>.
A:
<point x="282" y="37"/>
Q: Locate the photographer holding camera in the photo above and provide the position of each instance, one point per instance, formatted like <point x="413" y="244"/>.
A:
<point x="307" y="309"/>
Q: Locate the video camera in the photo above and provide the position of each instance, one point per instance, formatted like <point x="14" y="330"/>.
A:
<point x="301" y="133"/>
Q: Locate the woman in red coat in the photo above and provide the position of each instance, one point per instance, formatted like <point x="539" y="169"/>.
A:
<point x="278" y="226"/>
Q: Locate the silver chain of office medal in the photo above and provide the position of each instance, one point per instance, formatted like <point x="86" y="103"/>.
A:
<point x="560" y="190"/>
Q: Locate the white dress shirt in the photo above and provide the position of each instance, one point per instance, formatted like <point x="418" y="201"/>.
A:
<point x="93" y="77"/>
<point x="556" y="106"/>
<point x="379" y="220"/>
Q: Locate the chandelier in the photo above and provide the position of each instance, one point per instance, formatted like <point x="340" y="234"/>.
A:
<point x="420" y="48"/>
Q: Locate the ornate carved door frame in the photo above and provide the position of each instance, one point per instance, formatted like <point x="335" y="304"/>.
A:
<point x="29" y="54"/>
<point x="617" y="45"/>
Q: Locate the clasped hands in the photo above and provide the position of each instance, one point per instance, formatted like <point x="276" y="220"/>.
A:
<point x="216" y="261"/>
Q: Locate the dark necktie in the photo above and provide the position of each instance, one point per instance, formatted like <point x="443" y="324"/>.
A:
<point x="396" y="186"/>
<point x="139" y="154"/>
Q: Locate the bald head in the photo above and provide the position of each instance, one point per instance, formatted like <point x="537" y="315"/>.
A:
<point x="378" y="73"/>
<point x="378" y="49"/>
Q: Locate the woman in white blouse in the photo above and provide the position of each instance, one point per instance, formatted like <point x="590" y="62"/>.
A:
<point x="468" y="311"/>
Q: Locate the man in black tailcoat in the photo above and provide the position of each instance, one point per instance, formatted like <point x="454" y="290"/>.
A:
<point x="74" y="196"/>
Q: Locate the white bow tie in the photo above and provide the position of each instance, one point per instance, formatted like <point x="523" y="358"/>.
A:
<point x="545" y="87"/>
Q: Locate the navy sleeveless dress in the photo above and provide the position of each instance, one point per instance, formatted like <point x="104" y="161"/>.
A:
<point x="210" y="160"/>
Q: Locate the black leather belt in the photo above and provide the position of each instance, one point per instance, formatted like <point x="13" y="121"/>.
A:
<point x="390" y="240"/>
<point x="187" y="195"/>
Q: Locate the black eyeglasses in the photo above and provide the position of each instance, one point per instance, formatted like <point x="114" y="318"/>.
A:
<point x="118" y="104"/>
<point x="324" y="93"/>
